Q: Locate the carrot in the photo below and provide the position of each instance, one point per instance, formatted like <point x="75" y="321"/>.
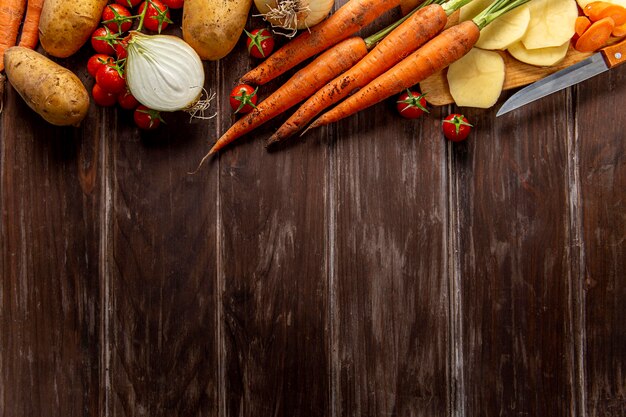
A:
<point x="441" y="51"/>
<point x="30" y="29"/>
<point x="596" y="36"/>
<point x="350" y="18"/>
<point x="406" y="38"/>
<point x="598" y="10"/>
<point x="619" y="31"/>
<point x="582" y="24"/>
<point x="11" y="12"/>
<point x="304" y="83"/>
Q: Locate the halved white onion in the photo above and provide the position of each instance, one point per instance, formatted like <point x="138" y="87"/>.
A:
<point x="163" y="72"/>
<point x="294" y="14"/>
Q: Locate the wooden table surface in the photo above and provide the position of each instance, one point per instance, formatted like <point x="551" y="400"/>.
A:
<point x="372" y="269"/>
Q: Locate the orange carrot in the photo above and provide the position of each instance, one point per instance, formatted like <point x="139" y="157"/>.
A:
<point x="598" y="10"/>
<point x="596" y="36"/>
<point x="11" y="12"/>
<point x="582" y="24"/>
<point x="350" y="18"/>
<point x="304" y="83"/>
<point x="406" y="38"/>
<point x="30" y="29"/>
<point x="619" y="31"/>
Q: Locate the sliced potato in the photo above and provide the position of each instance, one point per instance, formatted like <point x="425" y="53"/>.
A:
<point x="471" y="10"/>
<point x="583" y="3"/>
<point x="476" y="80"/>
<point x="551" y="23"/>
<point x="506" y="30"/>
<point x="543" y="57"/>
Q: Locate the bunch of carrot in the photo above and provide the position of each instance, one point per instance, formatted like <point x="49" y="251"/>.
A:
<point x="11" y="14"/>
<point x="601" y="20"/>
<point x="398" y="58"/>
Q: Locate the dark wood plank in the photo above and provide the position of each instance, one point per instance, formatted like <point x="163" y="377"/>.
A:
<point x="390" y="305"/>
<point x="511" y="188"/>
<point x="49" y="267"/>
<point x="602" y="170"/>
<point x="273" y="272"/>
<point x="160" y="347"/>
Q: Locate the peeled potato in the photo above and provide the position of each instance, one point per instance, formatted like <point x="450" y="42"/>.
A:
<point x="583" y="3"/>
<point x="476" y="80"/>
<point x="506" y="30"/>
<point x="471" y="9"/>
<point x="551" y="23"/>
<point x="543" y="57"/>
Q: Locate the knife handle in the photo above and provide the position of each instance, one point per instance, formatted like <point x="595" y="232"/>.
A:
<point x="615" y="54"/>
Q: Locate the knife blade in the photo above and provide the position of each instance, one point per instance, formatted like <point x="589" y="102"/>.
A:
<point x="607" y="58"/>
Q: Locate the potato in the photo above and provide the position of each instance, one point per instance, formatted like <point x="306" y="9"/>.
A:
<point x="583" y="3"/>
<point x="476" y="80"/>
<point x="65" y="25"/>
<point x="543" y="57"/>
<point x="54" y="92"/>
<point x="213" y="27"/>
<point x="505" y="30"/>
<point x="551" y="23"/>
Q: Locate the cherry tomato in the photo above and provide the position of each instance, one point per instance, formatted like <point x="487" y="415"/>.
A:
<point x="243" y="98"/>
<point x="110" y="79"/>
<point x="96" y="62"/>
<point x="260" y="43"/>
<point x="128" y="3"/>
<point x="117" y="18"/>
<point x="103" y="98"/>
<point x="456" y="127"/>
<point x="102" y="40"/>
<point x="120" y="50"/>
<point x="174" y="4"/>
<point x="157" y="16"/>
<point x="127" y="101"/>
<point x="146" y="118"/>
<point x="411" y="104"/>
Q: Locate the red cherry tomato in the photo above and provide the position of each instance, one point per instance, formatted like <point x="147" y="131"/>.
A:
<point x="456" y="127"/>
<point x="128" y="3"/>
<point x="260" y="43"/>
<point x="110" y="79"/>
<point x="411" y="104"/>
<point x="174" y="4"/>
<point x="120" y="50"/>
<point x="102" y="40"/>
<point x="96" y="62"/>
<point x="157" y="16"/>
<point x="243" y="98"/>
<point x="127" y="101"/>
<point x="103" y="98"/>
<point x="146" y="118"/>
<point x="117" y="18"/>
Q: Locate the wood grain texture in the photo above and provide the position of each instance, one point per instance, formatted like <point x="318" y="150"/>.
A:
<point x="390" y="295"/>
<point x="49" y="267"/>
<point x="273" y="270"/>
<point x="512" y="200"/>
<point x="602" y="172"/>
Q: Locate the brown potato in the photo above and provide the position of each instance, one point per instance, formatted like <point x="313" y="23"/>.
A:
<point x="213" y="27"/>
<point x="66" y="25"/>
<point x="54" y="92"/>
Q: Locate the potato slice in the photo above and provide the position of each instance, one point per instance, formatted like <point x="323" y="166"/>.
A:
<point x="471" y="10"/>
<point x="551" y="23"/>
<point x="543" y="57"/>
<point x="506" y="30"/>
<point x="583" y="3"/>
<point x="476" y="80"/>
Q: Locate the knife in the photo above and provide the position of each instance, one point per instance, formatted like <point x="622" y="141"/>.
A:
<point x="607" y="58"/>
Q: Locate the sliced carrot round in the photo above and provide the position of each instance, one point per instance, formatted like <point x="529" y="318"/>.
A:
<point x="596" y="35"/>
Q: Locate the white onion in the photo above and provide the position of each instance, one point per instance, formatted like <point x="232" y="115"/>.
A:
<point x="294" y="14"/>
<point x="163" y="72"/>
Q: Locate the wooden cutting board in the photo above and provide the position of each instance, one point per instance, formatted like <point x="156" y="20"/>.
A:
<point x="518" y="74"/>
